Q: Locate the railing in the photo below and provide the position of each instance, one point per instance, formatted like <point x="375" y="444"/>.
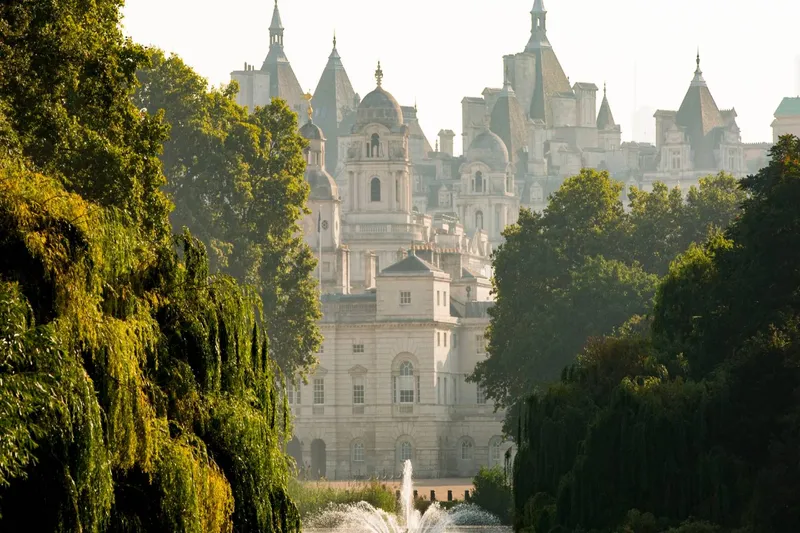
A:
<point x="318" y="410"/>
<point x="404" y="409"/>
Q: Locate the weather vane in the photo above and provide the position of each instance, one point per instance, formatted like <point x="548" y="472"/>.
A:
<point x="379" y="74"/>
<point x="308" y="96"/>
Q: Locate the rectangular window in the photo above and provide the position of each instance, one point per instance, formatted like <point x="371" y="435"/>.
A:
<point x="326" y="266"/>
<point x="438" y="390"/>
<point x="455" y="390"/>
<point x="454" y="340"/>
<point x="358" y="394"/>
<point x="405" y="297"/>
<point x="438" y="339"/>
<point x="290" y="393"/>
<point x="319" y="392"/>
<point x="358" y="348"/>
<point x="481" y="399"/>
<point x="446" y="397"/>
<point x="437" y="298"/>
<point x="480" y="344"/>
<point x="298" y="399"/>
<point x="444" y="300"/>
<point x="445" y="339"/>
<point x="321" y="348"/>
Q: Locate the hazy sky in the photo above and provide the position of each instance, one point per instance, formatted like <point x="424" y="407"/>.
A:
<point x="438" y="51"/>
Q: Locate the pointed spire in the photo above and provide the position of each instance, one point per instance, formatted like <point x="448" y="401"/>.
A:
<point x="698" y="80"/>
<point x="334" y="52"/>
<point x="538" y="27"/>
<point x="276" y="23"/>
<point x="379" y="74"/>
<point x="605" y="119"/>
<point x="538" y="7"/>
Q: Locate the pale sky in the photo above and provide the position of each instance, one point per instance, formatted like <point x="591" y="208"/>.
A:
<point x="435" y="52"/>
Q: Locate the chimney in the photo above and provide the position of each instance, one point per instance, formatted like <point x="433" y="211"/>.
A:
<point x="369" y="270"/>
<point x="446" y="142"/>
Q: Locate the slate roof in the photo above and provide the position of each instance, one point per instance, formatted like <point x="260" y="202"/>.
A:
<point x="550" y="81"/>
<point x="789" y="107"/>
<point x="699" y="116"/>
<point x="489" y="148"/>
<point x="509" y="122"/>
<point x="333" y="102"/>
<point x="414" y="129"/>
<point x="323" y="186"/>
<point x="605" y="119"/>
<point x="380" y="107"/>
<point x="282" y="80"/>
<point x="410" y="265"/>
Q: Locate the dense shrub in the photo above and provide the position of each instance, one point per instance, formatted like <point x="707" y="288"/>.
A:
<point x="493" y="493"/>
<point x="311" y="498"/>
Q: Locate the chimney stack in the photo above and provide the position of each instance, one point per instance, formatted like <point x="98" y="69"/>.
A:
<point x="446" y="142"/>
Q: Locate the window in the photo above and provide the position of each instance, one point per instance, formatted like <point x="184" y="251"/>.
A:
<point x="444" y="199"/>
<point x="481" y="400"/>
<point x="375" y="190"/>
<point x="405" y="297"/>
<point x="480" y="344"/>
<point x="477" y="184"/>
<point x="358" y="394"/>
<point x="326" y="266"/>
<point x="406" y="452"/>
<point x="445" y="339"/>
<point x="466" y="450"/>
<point x="676" y="159"/>
<point x="438" y="298"/>
<point x="319" y="392"/>
<point x="375" y="145"/>
<point x="479" y="220"/>
<point x="438" y="339"/>
<point x="407" y="382"/>
<point x="537" y="193"/>
<point x="439" y="390"/>
<point x="321" y="348"/>
<point x="358" y="348"/>
<point x="732" y="160"/>
<point x="358" y="452"/>
<point x="298" y="398"/>
<point x="444" y="300"/>
<point x="497" y="227"/>
<point x="446" y="397"/>
<point x="290" y="393"/>
<point x="454" y="340"/>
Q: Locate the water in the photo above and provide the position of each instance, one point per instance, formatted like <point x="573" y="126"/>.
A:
<point x="364" y="518"/>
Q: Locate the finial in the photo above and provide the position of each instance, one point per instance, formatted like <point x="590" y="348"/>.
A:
<point x="604" y="89"/>
<point x="437" y="146"/>
<point x="698" y="58"/>
<point x="334" y="38"/>
<point x="505" y="76"/>
<point x="379" y="74"/>
<point x="276" y="4"/>
<point x="307" y="97"/>
<point x="415" y="104"/>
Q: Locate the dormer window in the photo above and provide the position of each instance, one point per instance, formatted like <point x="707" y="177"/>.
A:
<point x="675" y="159"/>
<point x="375" y="190"/>
<point x="444" y="199"/>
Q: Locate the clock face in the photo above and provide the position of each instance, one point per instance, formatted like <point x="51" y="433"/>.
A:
<point x="324" y="224"/>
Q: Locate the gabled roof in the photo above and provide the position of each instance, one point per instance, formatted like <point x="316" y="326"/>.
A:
<point x="410" y="265"/>
<point x="789" y="107"/>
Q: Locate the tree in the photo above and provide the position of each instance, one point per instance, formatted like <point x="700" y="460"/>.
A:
<point x="583" y="267"/>
<point x="492" y="493"/>
<point x="137" y="392"/>
<point x="237" y="184"/>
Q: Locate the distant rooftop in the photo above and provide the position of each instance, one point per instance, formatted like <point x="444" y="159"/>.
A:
<point x="410" y="264"/>
<point x="790" y="107"/>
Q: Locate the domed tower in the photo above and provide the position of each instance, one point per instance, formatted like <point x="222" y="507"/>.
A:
<point x="487" y="201"/>
<point x="322" y="226"/>
<point x="377" y="178"/>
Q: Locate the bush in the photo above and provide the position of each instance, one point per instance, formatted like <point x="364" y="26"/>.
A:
<point x="493" y="493"/>
<point x="311" y="498"/>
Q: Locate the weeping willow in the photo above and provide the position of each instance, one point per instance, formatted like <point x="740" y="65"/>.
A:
<point x="136" y="393"/>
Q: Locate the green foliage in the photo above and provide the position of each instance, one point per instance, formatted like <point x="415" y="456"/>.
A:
<point x="583" y="267"/>
<point x="311" y="498"/>
<point x="137" y="389"/>
<point x="237" y="184"/>
<point x="493" y="493"/>
<point x="688" y="422"/>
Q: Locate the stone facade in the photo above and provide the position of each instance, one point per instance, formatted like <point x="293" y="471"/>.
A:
<point x="787" y="118"/>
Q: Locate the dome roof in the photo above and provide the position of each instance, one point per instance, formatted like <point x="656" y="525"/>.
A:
<point x="323" y="186"/>
<point x="490" y="149"/>
<point x="379" y="107"/>
<point x="312" y="132"/>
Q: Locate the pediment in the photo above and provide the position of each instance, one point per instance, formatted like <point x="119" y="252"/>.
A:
<point x="358" y="369"/>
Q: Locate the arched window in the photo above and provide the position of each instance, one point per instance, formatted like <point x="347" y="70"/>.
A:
<point x="375" y="190"/>
<point x="375" y="145"/>
<point x="479" y="220"/>
<point x="477" y="185"/>
<point x="358" y="452"/>
<point x="466" y="450"/>
<point x="406" y="451"/>
<point x="406" y="382"/>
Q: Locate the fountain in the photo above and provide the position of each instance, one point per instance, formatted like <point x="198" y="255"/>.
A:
<point x="364" y="518"/>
